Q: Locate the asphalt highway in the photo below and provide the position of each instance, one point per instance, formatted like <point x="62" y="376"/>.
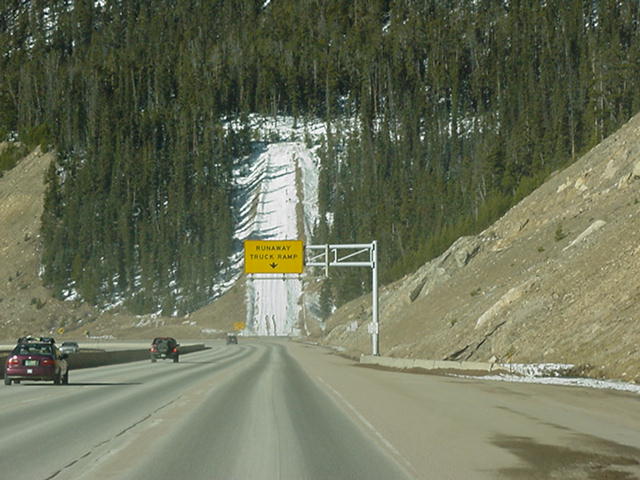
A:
<point x="275" y="409"/>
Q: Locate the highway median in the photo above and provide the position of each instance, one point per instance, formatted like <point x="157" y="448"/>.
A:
<point x="93" y="358"/>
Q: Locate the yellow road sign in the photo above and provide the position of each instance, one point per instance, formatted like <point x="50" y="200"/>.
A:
<point x="237" y="326"/>
<point x="273" y="256"/>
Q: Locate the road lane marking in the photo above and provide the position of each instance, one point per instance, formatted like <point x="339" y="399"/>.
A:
<point x="404" y="463"/>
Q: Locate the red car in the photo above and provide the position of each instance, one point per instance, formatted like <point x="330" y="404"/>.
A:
<point x="36" y="359"/>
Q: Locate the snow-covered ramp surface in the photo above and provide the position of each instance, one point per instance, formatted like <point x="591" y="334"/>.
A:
<point x="270" y="185"/>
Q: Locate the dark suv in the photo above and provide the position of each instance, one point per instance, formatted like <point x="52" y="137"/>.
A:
<point x="164" y="347"/>
<point x="36" y="359"/>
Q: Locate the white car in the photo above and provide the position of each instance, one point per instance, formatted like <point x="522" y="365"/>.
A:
<point x="69" y="347"/>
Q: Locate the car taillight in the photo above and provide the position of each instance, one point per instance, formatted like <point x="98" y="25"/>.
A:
<point x="153" y="349"/>
<point x="14" y="361"/>
<point x="46" y="362"/>
<point x="175" y="349"/>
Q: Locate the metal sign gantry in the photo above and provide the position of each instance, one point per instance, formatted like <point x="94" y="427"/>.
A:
<point x="351" y="255"/>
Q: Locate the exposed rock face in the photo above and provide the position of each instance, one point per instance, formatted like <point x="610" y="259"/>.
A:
<point x="498" y="310"/>
<point x="594" y="227"/>
<point x="556" y="279"/>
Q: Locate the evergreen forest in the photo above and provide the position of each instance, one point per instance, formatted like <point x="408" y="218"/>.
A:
<point x="456" y="109"/>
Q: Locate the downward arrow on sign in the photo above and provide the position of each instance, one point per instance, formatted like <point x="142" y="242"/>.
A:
<point x="273" y="265"/>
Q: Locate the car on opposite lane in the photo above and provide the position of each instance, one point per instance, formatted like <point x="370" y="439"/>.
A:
<point x="69" y="347"/>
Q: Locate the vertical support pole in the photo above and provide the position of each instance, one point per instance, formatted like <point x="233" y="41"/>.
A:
<point x="326" y="260"/>
<point x="375" y="335"/>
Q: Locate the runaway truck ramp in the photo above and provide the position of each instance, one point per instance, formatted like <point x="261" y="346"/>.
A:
<point x="90" y="359"/>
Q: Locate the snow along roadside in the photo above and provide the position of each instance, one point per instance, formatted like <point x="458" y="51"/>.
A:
<point x="542" y="373"/>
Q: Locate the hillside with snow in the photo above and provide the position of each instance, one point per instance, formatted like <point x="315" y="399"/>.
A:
<point x="274" y="198"/>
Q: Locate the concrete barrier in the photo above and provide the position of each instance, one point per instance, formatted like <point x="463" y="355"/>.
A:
<point x="412" y="363"/>
<point x="89" y="359"/>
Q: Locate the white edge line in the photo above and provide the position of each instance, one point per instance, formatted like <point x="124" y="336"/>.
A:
<point x="405" y="464"/>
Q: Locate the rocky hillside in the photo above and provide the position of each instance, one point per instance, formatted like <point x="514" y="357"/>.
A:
<point x="556" y="279"/>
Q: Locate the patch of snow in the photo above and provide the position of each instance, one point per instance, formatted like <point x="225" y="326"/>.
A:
<point x="538" y="369"/>
<point x="329" y="216"/>
<point x="210" y="331"/>
<point x="101" y="337"/>
<point x="573" y="382"/>
<point x="70" y="294"/>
